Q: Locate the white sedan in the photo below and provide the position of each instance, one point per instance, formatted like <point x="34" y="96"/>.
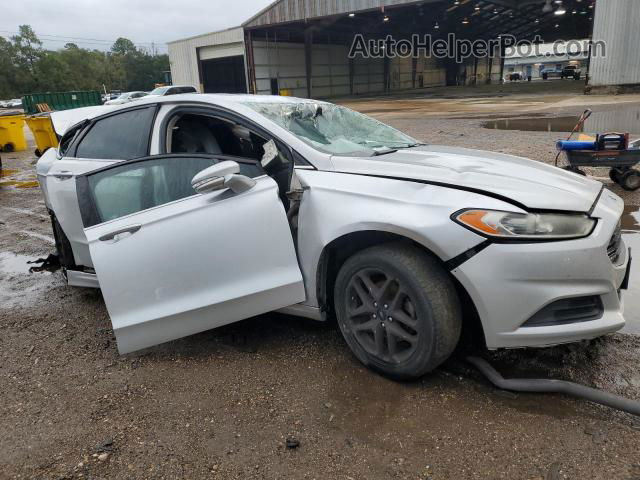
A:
<point x="195" y="211"/>
<point x="127" y="97"/>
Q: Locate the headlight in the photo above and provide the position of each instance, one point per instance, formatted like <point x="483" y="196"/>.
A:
<point x="526" y="226"/>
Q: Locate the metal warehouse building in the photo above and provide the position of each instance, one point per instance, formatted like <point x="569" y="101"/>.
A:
<point x="300" y="47"/>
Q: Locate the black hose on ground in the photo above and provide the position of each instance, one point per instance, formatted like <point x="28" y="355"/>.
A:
<point x="555" y="386"/>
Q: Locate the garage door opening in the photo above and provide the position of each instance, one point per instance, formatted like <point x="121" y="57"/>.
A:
<point x="224" y="75"/>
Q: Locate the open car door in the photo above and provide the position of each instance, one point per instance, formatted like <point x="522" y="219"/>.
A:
<point x="172" y="262"/>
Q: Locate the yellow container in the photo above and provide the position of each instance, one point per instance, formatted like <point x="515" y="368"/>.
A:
<point x="43" y="132"/>
<point x="286" y="92"/>
<point x="12" y="137"/>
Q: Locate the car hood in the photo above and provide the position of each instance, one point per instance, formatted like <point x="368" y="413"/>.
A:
<point x="532" y="184"/>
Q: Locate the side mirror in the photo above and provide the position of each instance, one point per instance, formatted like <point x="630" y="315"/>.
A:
<point x="220" y="176"/>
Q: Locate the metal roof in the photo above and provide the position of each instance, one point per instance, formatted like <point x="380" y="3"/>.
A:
<point x="284" y="11"/>
<point x="229" y="35"/>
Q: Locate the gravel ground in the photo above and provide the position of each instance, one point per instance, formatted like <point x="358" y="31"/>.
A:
<point x="222" y="404"/>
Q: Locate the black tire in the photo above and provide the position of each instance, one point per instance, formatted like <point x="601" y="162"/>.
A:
<point x="614" y="175"/>
<point x="38" y="153"/>
<point x="630" y="180"/>
<point x="8" y="147"/>
<point x="545" y="76"/>
<point x="63" y="246"/>
<point x="417" y="310"/>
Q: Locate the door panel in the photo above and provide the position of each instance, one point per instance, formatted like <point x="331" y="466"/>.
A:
<point x="106" y="140"/>
<point x="195" y="263"/>
<point x="61" y="187"/>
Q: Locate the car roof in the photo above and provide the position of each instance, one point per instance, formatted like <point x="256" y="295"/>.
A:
<point x="65" y="119"/>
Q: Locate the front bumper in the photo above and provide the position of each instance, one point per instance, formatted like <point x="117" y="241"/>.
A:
<point x="509" y="283"/>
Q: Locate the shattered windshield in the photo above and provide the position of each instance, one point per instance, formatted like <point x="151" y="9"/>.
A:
<point x="334" y="129"/>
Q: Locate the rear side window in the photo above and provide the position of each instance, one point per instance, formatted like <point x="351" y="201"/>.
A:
<point x="68" y="139"/>
<point x="119" y="137"/>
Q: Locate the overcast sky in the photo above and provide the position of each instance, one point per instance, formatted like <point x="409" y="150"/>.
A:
<point x="97" y="23"/>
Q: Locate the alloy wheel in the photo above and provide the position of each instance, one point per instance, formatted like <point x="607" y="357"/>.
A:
<point x="382" y="315"/>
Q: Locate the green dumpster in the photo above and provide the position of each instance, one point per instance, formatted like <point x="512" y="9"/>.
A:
<point x="60" y="101"/>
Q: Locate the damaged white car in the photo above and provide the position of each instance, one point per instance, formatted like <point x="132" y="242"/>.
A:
<point x="195" y="211"/>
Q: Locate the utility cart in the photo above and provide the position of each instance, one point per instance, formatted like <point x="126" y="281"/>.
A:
<point x="620" y="163"/>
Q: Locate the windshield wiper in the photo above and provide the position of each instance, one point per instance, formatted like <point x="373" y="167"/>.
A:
<point x="412" y="145"/>
<point x="383" y="151"/>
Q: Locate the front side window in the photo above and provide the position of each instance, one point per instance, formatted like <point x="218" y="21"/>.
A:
<point x="194" y="133"/>
<point x="132" y="187"/>
<point x="333" y="129"/>
<point x="118" y="137"/>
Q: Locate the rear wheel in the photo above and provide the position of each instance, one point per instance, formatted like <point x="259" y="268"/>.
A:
<point x="398" y="310"/>
<point x="630" y="180"/>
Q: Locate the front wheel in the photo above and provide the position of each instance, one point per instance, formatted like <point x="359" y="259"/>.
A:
<point x="398" y="310"/>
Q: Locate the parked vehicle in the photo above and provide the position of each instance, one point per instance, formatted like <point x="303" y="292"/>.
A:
<point x="548" y="73"/>
<point x="172" y="90"/>
<point x="15" y="103"/>
<point x="196" y="211"/>
<point x="127" y="97"/>
<point x="515" y="76"/>
<point x="571" y="71"/>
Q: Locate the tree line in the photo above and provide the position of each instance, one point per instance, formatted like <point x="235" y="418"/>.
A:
<point x="26" y="67"/>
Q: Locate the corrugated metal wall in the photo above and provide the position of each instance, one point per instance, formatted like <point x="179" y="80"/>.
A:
<point x="282" y="61"/>
<point x="368" y="75"/>
<point x="620" y="120"/>
<point x="330" y="68"/>
<point x="285" y="62"/>
<point x="184" y="59"/>
<point x="617" y="22"/>
<point x="296" y="10"/>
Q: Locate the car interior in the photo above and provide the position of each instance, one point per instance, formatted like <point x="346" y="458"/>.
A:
<point x="206" y="134"/>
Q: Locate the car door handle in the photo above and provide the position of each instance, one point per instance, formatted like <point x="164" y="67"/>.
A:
<point x="64" y="175"/>
<point x="112" y="236"/>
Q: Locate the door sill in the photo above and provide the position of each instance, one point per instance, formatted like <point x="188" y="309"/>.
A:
<point x="302" y="310"/>
<point x="82" y="279"/>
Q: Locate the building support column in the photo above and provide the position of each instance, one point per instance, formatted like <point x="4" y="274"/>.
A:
<point x="387" y="74"/>
<point x="502" y="55"/>
<point x="249" y="63"/>
<point x="308" y="58"/>
<point x="352" y="75"/>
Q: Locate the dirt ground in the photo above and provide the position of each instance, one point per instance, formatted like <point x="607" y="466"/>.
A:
<point x="222" y="404"/>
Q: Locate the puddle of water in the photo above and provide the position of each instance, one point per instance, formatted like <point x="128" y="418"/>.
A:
<point x="25" y="185"/>
<point x="15" y="179"/>
<point x="623" y="119"/>
<point x="20" y="285"/>
<point x="14" y="264"/>
<point x="555" y="124"/>
<point x="6" y="172"/>
<point x="631" y="229"/>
